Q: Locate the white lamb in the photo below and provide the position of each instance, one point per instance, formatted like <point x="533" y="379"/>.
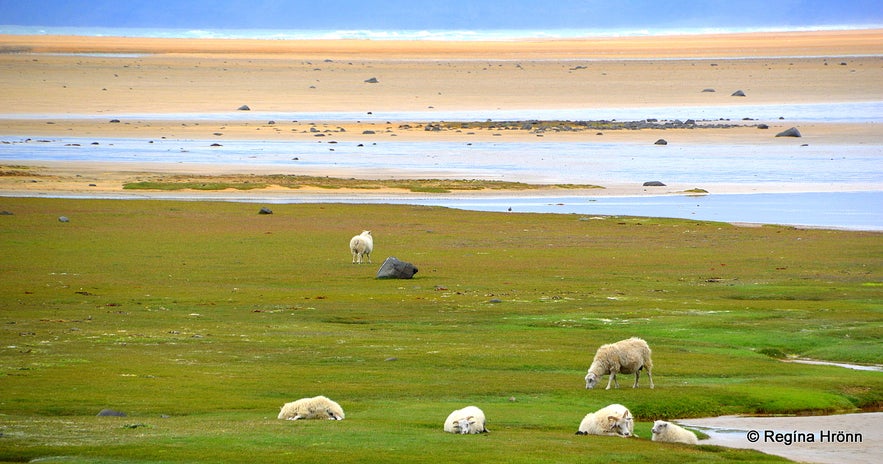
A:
<point x="317" y="407"/>
<point x="613" y="420"/>
<point x="623" y="357"/>
<point x="466" y="421"/>
<point x="362" y="245"/>
<point x="673" y="433"/>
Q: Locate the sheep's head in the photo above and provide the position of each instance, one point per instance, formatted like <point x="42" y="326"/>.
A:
<point x="620" y="425"/>
<point x="332" y="415"/>
<point x="465" y="425"/>
<point x="659" y="426"/>
<point x="591" y="380"/>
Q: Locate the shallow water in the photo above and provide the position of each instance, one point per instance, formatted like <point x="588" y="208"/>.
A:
<point x="799" y="438"/>
<point x="855" y="170"/>
<point x="861" y="111"/>
<point x="595" y="163"/>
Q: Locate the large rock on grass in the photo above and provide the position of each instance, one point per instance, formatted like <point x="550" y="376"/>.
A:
<point x="393" y="268"/>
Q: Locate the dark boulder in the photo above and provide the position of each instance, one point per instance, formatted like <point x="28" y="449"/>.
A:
<point x="738" y="93"/>
<point x="373" y="80"/>
<point x="654" y="183"/>
<point x="244" y="108"/>
<point x="660" y="142"/>
<point x="792" y="132"/>
<point x="265" y="210"/>
<point x="393" y="268"/>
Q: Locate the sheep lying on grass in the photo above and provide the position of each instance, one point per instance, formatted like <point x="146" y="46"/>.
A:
<point x="673" y="433"/>
<point x="466" y="421"/>
<point x="613" y="420"/>
<point x="623" y="357"/>
<point x="362" y="245"/>
<point x="317" y="407"/>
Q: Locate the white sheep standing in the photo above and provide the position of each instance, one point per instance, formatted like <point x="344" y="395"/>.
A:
<point x="623" y="357"/>
<point x="614" y="420"/>
<point x="362" y="245"/>
<point x="673" y="433"/>
<point x="466" y="421"/>
<point x="317" y="407"/>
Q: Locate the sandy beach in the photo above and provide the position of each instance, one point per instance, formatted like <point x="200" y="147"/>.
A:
<point x="111" y="87"/>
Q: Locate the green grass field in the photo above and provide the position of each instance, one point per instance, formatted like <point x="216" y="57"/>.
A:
<point x="200" y="319"/>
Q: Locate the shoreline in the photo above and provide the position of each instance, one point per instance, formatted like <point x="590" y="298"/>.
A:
<point x="80" y="89"/>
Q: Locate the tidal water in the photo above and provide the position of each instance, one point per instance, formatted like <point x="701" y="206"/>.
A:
<point x="833" y="186"/>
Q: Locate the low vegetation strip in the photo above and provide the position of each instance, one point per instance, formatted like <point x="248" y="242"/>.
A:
<point x="295" y="182"/>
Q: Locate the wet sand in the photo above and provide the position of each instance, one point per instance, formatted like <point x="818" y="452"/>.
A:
<point x="75" y="86"/>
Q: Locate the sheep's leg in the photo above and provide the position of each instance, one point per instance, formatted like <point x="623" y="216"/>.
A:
<point x="612" y="379"/>
<point x="637" y="375"/>
<point x="650" y="376"/>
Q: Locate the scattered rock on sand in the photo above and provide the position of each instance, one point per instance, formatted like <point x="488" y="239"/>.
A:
<point x="708" y="90"/>
<point x="244" y="108"/>
<point x="660" y="142"/>
<point x="738" y="93"/>
<point x="792" y="132"/>
<point x="653" y="183"/>
<point x="373" y="80"/>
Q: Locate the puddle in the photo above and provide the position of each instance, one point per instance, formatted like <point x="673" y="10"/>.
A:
<point x="858" y="367"/>
<point x="853" y="438"/>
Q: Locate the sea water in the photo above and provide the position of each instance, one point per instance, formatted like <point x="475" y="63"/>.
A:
<point x="855" y="171"/>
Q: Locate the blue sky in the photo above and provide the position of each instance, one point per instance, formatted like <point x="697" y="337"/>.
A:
<point x="440" y="14"/>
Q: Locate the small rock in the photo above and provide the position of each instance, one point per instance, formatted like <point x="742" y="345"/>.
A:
<point x="63" y="219"/>
<point x="738" y="93"/>
<point x="373" y="80"/>
<point x="265" y="210"/>
<point x="708" y="90"/>
<point x="243" y="108"/>
<point x="660" y="142"/>
<point x="653" y="183"/>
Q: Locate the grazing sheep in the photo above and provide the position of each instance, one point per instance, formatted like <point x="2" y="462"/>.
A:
<point x="623" y="357"/>
<point x="466" y="421"/>
<point x="317" y="407"/>
<point x="673" y="433"/>
<point x="614" y="420"/>
<point x="362" y="245"/>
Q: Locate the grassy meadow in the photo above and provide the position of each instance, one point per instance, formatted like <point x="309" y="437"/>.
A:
<point x="200" y="319"/>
